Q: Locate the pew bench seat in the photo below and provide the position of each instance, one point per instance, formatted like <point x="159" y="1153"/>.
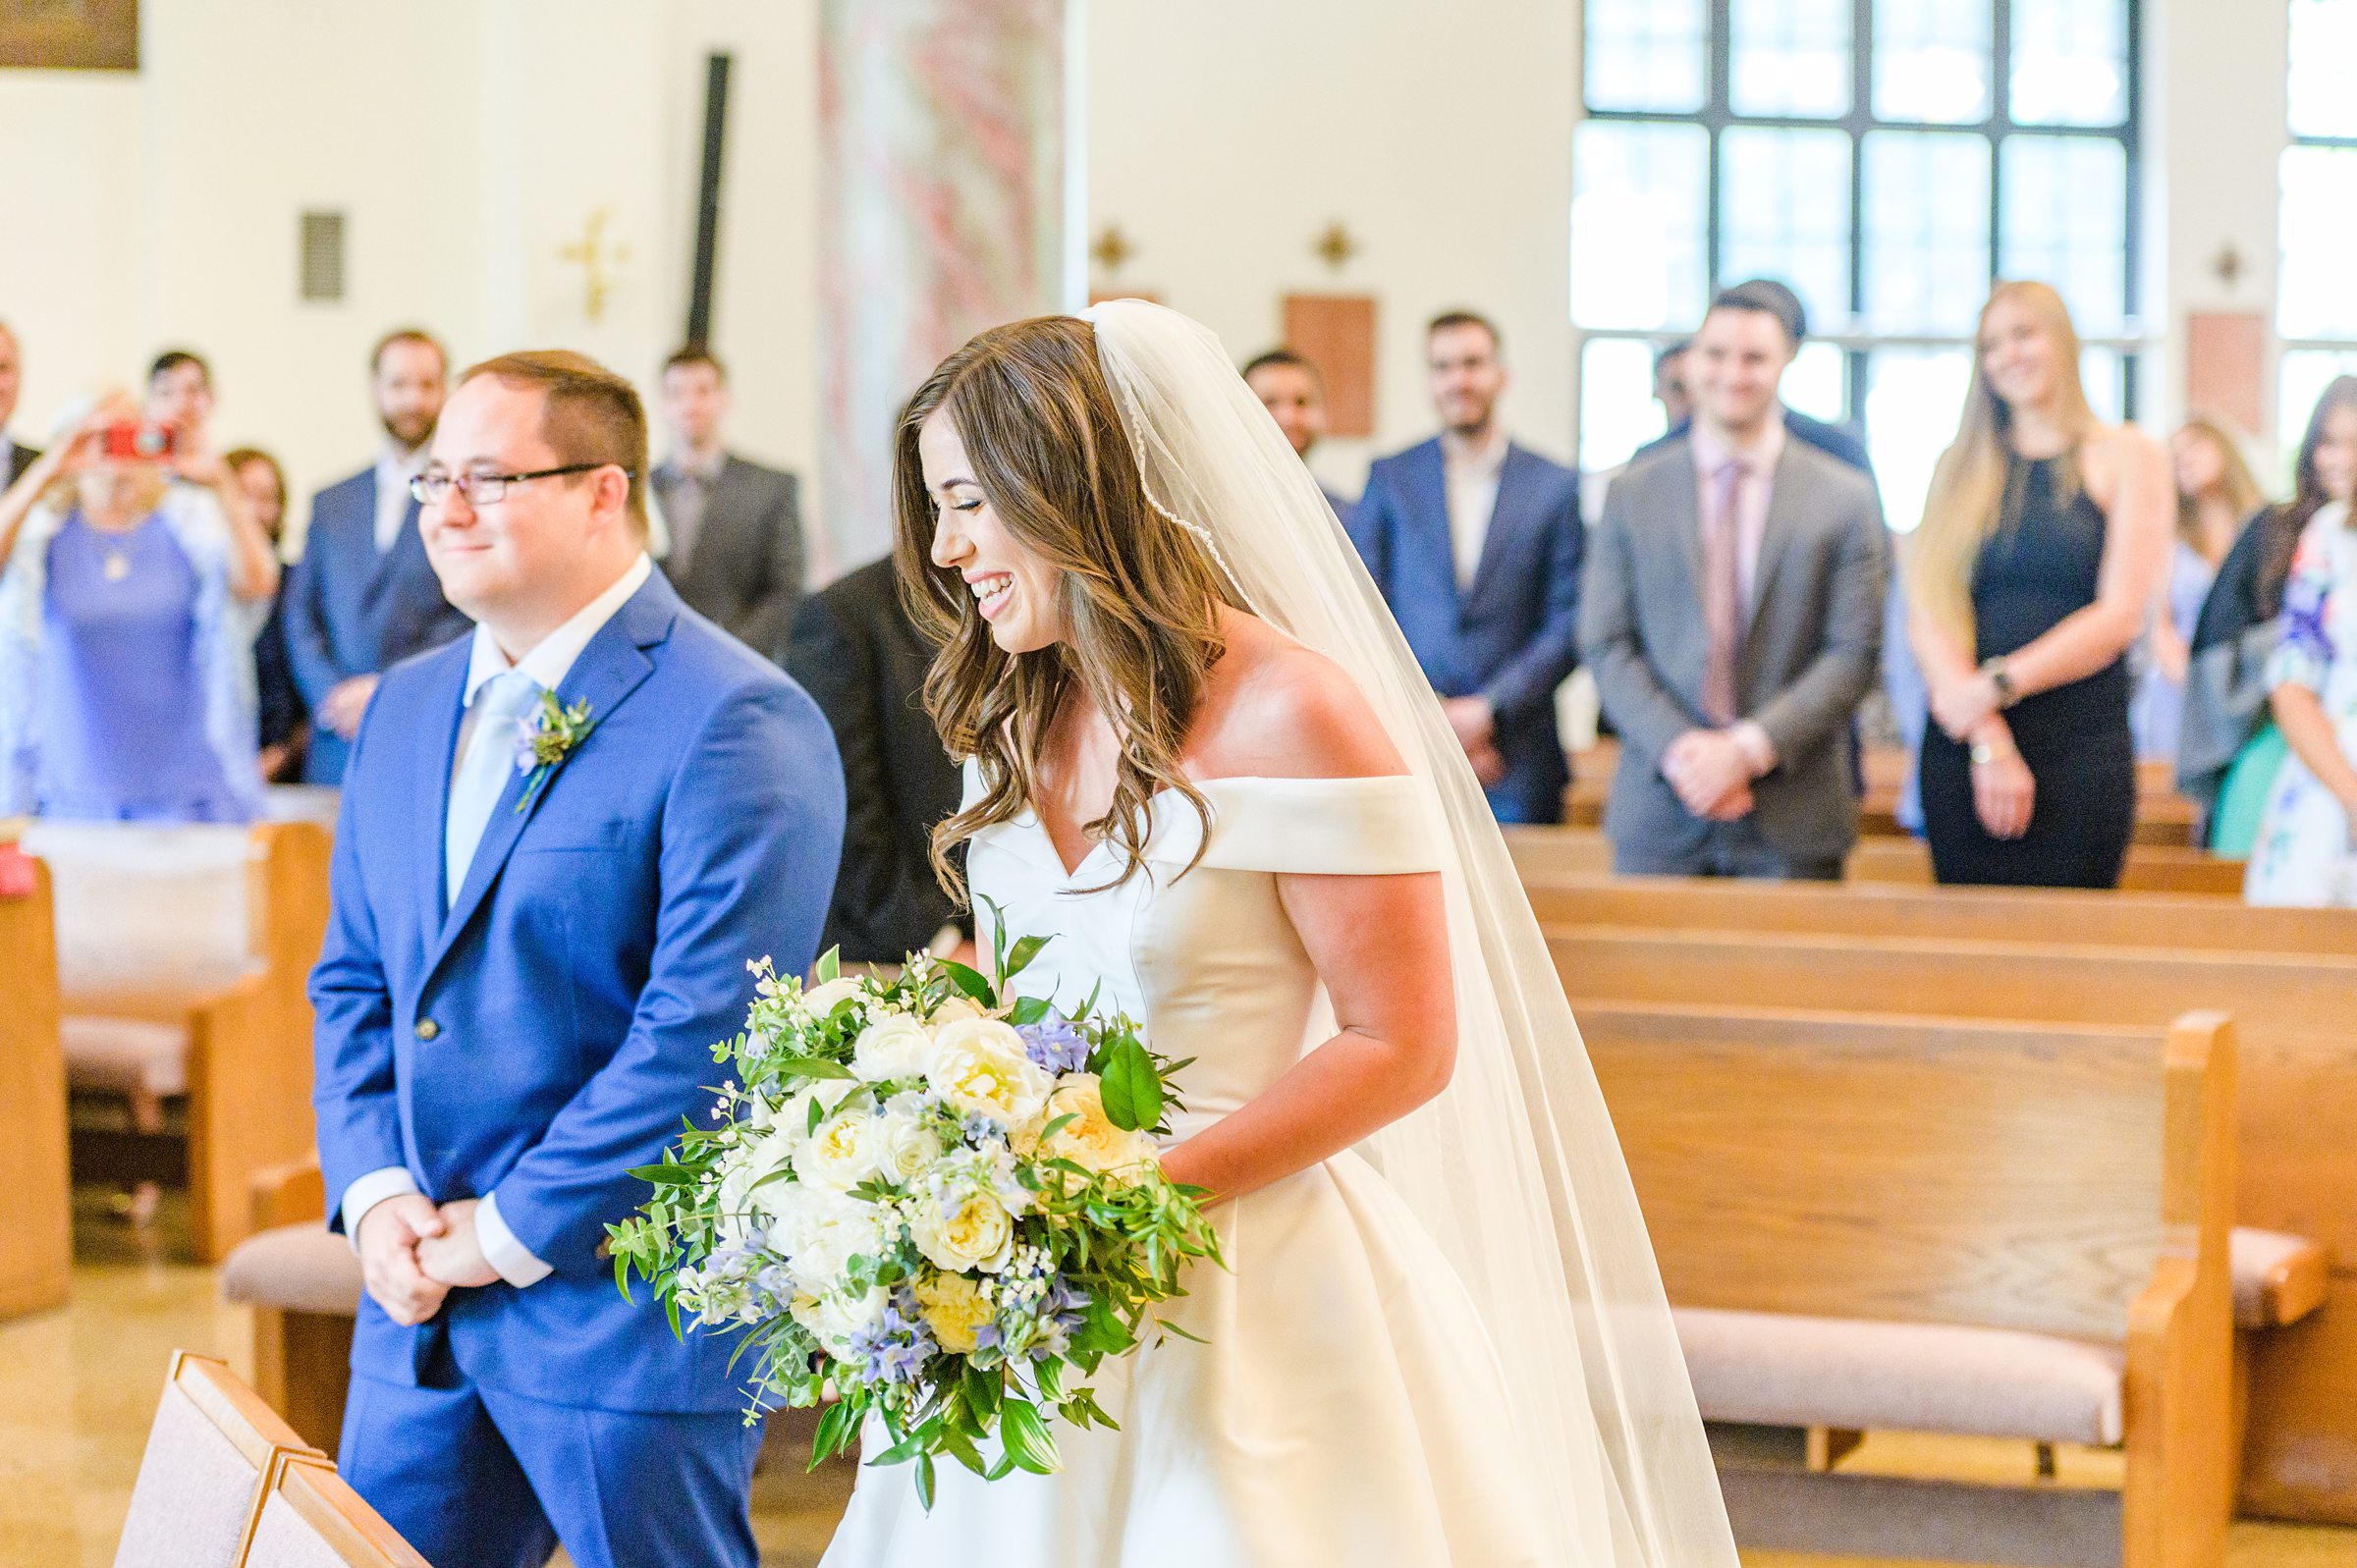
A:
<point x="1781" y="1369"/>
<point x="300" y="1267"/>
<point x="2278" y="1278"/>
<point x="126" y="1055"/>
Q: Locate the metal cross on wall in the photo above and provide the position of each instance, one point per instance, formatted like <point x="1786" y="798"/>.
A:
<point x="597" y="260"/>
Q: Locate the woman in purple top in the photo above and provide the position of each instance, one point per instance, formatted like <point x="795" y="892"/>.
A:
<point x="126" y="636"/>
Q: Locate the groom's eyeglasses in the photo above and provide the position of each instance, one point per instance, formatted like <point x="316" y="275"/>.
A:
<point x="481" y="489"/>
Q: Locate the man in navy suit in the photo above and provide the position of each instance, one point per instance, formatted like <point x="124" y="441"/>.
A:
<point x="1476" y="543"/>
<point x="364" y="597"/>
<point x="523" y="970"/>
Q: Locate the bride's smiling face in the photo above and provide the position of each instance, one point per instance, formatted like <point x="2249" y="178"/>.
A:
<point x="1015" y="590"/>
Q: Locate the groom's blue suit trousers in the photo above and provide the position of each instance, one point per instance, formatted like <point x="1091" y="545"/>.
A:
<point x="476" y="1478"/>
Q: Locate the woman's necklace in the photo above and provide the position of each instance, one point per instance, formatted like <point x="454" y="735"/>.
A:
<point x="118" y="565"/>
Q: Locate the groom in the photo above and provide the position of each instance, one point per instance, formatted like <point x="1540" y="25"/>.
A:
<point x="525" y="965"/>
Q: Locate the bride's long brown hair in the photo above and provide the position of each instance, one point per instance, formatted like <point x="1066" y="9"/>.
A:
<point x="1139" y="596"/>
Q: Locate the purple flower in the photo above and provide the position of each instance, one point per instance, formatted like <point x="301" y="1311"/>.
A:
<point x="1054" y="1045"/>
<point x="896" y="1349"/>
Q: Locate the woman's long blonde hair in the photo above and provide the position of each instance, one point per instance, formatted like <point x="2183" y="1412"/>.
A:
<point x="1968" y="491"/>
<point x="2243" y="495"/>
<point x="1140" y="597"/>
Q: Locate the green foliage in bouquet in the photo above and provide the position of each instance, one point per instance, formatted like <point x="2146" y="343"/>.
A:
<point x="927" y="1199"/>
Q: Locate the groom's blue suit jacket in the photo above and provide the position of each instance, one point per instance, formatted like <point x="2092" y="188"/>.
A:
<point x="552" y="1031"/>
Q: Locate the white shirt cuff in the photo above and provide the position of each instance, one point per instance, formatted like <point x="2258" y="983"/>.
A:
<point x="502" y="1251"/>
<point x="1759" y="752"/>
<point x="367" y="1191"/>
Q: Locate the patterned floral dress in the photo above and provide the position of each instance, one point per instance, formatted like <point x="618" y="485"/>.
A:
<point x="2304" y="855"/>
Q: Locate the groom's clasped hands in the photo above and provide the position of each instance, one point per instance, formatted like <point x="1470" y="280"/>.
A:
<point x="413" y="1253"/>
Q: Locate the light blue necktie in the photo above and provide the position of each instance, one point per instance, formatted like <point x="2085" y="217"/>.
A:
<point x="483" y="772"/>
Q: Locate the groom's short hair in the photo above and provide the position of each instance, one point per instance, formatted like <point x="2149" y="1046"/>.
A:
<point x="588" y="414"/>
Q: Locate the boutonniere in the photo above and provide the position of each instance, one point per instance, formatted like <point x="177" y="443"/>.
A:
<point x="547" y="740"/>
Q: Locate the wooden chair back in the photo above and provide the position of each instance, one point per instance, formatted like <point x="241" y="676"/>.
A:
<point x="1970" y="914"/>
<point x="149" y="917"/>
<point x="311" y="1518"/>
<point x="200" y="1480"/>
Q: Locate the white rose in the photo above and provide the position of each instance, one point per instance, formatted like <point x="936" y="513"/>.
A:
<point x="907" y="1147"/>
<point x="820" y="999"/>
<point x="895" y="1046"/>
<point x="979" y="1066"/>
<point x="836" y="1318"/>
<point x="949" y="1009"/>
<point x="1090" y="1139"/>
<point x="822" y="1231"/>
<point x="965" y="1228"/>
<point x="843" y="1152"/>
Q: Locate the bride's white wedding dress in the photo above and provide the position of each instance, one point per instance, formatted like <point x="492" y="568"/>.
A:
<point x="1348" y="1407"/>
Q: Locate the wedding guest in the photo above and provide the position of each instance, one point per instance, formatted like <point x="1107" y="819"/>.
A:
<point x="2306" y="851"/>
<point x="1295" y="394"/>
<point x="1476" y="543"/>
<point x="1733" y="690"/>
<point x="2044" y="534"/>
<point x="179" y="396"/>
<point x="736" y="526"/>
<point x="2216" y="496"/>
<point x="17" y="456"/>
<point x="2229" y="746"/>
<point x="365" y="595"/>
<point x="126" y="677"/>
<point x="285" y="722"/>
<point x="856" y="652"/>
<point x="1670" y="385"/>
<point x="1831" y="439"/>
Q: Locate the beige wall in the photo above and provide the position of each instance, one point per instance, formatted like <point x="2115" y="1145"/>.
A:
<point x="468" y="139"/>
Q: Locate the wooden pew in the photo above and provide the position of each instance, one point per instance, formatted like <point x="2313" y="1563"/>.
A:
<point x="1971" y="914"/>
<point x="310" y="1515"/>
<point x="2298" y="1075"/>
<point x="246" y="1037"/>
<point x="1989" y="1228"/>
<point x="36" y="1244"/>
<point x="2149" y="868"/>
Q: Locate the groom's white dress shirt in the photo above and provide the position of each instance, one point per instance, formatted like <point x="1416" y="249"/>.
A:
<point x="498" y="696"/>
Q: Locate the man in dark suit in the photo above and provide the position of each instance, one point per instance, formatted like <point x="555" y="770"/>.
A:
<point x="855" y="649"/>
<point x="1733" y="617"/>
<point x="1476" y="543"/>
<point x="364" y="597"/>
<point x="1295" y="394"/>
<point x="12" y="367"/>
<point x="735" y="546"/>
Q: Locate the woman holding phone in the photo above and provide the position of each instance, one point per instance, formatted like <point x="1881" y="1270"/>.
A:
<point x="128" y="608"/>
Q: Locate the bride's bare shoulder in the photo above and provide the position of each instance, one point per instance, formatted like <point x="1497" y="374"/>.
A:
<point x="1278" y="710"/>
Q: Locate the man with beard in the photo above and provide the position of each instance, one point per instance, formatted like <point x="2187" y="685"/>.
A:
<point x="364" y="596"/>
<point x="1475" y="542"/>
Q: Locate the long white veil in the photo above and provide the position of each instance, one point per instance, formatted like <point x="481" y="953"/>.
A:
<point x="1515" y="1169"/>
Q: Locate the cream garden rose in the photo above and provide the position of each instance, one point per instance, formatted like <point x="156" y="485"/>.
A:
<point x="980" y="1067"/>
<point x="906" y="1145"/>
<point x="964" y="1228"/>
<point x="844" y="1151"/>
<point x="820" y="999"/>
<point x="1090" y="1139"/>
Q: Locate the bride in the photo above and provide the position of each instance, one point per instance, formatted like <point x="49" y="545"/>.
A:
<point x="1201" y="758"/>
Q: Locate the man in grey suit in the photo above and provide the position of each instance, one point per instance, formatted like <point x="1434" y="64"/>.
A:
<point x="1733" y="617"/>
<point x="735" y="552"/>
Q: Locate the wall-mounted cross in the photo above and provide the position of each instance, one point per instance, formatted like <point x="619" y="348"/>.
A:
<point x="597" y="259"/>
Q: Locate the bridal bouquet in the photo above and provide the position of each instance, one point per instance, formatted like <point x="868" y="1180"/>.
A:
<point x="925" y="1199"/>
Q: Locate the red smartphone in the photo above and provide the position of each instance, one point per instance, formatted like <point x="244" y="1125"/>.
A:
<point x="135" y="440"/>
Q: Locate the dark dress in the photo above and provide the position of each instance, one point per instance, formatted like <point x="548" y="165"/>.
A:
<point x="282" y="710"/>
<point x="2041" y="564"/>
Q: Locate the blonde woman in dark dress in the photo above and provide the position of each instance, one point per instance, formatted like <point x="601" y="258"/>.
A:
<point x="2045" y="539"/>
